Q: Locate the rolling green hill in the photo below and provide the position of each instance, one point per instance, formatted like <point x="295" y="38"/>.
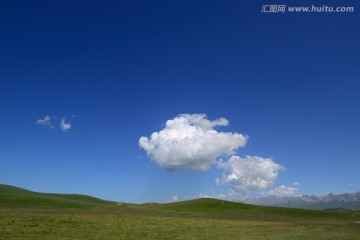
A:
<point x="232" y="210"/>
<point x="17" y="197"/>
<point x="14" y="197"/>
<point x="30" y="215"/>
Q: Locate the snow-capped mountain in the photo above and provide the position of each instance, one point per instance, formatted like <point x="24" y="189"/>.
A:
<point x="328" y="201"/>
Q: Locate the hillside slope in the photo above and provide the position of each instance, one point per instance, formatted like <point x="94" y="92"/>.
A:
<point x="30" y="215"/>
<point x="233" y="210"/>
<point x="17" y="197"/>
<point x="13" y="197"/>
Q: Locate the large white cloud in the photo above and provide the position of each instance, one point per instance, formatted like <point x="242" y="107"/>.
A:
<point x="248" y="174"/>
<point x="189" y="141"/>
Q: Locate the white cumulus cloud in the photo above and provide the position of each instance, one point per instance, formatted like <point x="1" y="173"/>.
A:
<point x="46" y="121"/>
<point x="190" y="141"/>
<point x="64" y="125"/>
<point x="283" y="191"/>
<point x="248" y="174"/>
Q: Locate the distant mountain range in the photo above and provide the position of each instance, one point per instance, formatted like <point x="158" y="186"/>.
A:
<point x="331" y="202"/>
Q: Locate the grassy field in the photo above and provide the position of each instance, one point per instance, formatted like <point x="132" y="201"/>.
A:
<point x="29" y="215"/>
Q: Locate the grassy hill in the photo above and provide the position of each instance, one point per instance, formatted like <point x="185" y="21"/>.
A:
<point x="239" y="211"/>
<point x="17" y="197"/>
<point x="30" y="215"/>
<point x="14" y="197"/>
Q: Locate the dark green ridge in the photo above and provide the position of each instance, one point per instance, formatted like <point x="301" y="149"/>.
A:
<point x="17" y="197"/>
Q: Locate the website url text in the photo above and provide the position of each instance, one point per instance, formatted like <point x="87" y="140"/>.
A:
<point x="308" y="9"/>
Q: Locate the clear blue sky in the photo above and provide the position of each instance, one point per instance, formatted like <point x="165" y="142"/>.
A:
<point x="118" y="70"/>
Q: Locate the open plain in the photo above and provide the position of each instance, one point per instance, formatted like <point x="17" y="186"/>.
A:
<point x="29" y="215"/>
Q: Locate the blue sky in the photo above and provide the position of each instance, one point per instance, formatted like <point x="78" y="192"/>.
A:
<point x="116" y="71"/>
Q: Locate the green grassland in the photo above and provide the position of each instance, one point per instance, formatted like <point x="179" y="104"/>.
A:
<point x="29" y="215"/>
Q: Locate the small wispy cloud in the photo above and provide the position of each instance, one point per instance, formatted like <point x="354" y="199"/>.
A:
<point x="46" y="121"/>
<point x="50" y="122"/>
<point x="65" y="126"/>
<point x="202" y="195"/>
<point x="212" y="195"/>
<point x="283" y="191"/>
